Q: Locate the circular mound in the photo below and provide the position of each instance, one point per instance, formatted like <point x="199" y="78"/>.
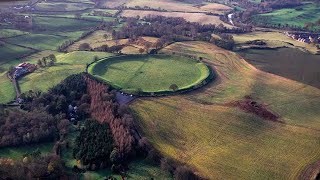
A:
<point x="138" y="74"/>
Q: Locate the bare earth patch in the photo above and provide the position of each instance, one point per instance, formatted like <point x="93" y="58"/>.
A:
<point x="250" y="106"/>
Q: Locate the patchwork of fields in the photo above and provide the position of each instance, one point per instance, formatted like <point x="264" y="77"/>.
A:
<point x="202" y="128"/>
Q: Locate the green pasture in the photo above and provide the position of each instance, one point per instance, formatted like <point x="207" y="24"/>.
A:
<point x="150" y="73"/>
<point x="38" y="41"/>
<point x="10" y="52"/>
<point x="67" y="64"/>
<point x="298" y="16"/>
<point x="60" y="24"/>
<point x="5" y="33"/>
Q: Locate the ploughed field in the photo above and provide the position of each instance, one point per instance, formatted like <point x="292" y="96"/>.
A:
<point x="286" y="62"/>
<point x="150" y="73"/>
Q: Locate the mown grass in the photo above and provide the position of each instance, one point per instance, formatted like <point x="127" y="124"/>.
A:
<point x="67" y="64"/>
<point x="150" y="73"/>
<point x="224" y="142"/>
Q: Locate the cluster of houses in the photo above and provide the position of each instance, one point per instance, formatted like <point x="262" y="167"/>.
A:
<point x="304" y="37"/>
<point x="22" y="69"/>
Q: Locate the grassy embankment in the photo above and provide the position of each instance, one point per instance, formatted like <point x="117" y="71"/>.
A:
<point x="150" y="73"/>
<point x="224" y="142"/>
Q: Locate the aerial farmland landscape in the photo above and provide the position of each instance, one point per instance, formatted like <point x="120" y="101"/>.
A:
<point x="159" y="90"/>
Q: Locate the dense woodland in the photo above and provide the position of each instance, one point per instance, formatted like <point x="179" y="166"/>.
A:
<point x="107" y="139"/>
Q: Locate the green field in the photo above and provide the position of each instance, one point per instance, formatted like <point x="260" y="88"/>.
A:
<point x="67" y="64"/>
<point x="60" y="24"/>
<point x="293" y="16"/>
<point x="10" y="52"/>
<point x="224" y="142"/>
<point x="38" y="41"/>
<point x="5" y="33"/>
<point x="150" y="73"/>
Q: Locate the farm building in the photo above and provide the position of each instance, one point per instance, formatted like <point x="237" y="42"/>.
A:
<point x="23" y="69"/>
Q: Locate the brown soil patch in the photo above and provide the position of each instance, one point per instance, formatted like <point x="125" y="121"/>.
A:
<point x="250" y="106"/>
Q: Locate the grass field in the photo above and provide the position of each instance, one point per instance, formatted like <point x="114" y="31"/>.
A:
<point x="54" y="24"/>
<point x="224" y="142"/>
<point x="273" y="39"/>
<point x="192" y="17"/>
<point x="5" y="33"/>
<point x="67" y="64"/>
<point x="294" y="16"/>
<point x="10" y="52"/>
<point x="150" y="73"/>
<point x="7" y="92"/>
<point x="38" y="41"/>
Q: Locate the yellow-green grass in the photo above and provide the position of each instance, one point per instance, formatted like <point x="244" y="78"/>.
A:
<point x="7" y="92"/>
<point x="224" y="142"/>
<point x="5" y="33"/>
<point x="59" y="6"/>
<point x="273" y="39"/>
<point x="67" y="64"/>
<point x="192" y="17"/>
<point x="150" y="73"/>
<point x="297" y="16"/>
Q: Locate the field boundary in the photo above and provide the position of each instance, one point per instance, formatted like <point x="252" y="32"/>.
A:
<point x="211" y="76"/>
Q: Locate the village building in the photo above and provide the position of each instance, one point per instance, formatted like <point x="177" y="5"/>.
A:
<point x="22" y="69"/>
<point x="304" y="37"/>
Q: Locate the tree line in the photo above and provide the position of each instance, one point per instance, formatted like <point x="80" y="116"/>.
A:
<point x="169" y="29"/>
